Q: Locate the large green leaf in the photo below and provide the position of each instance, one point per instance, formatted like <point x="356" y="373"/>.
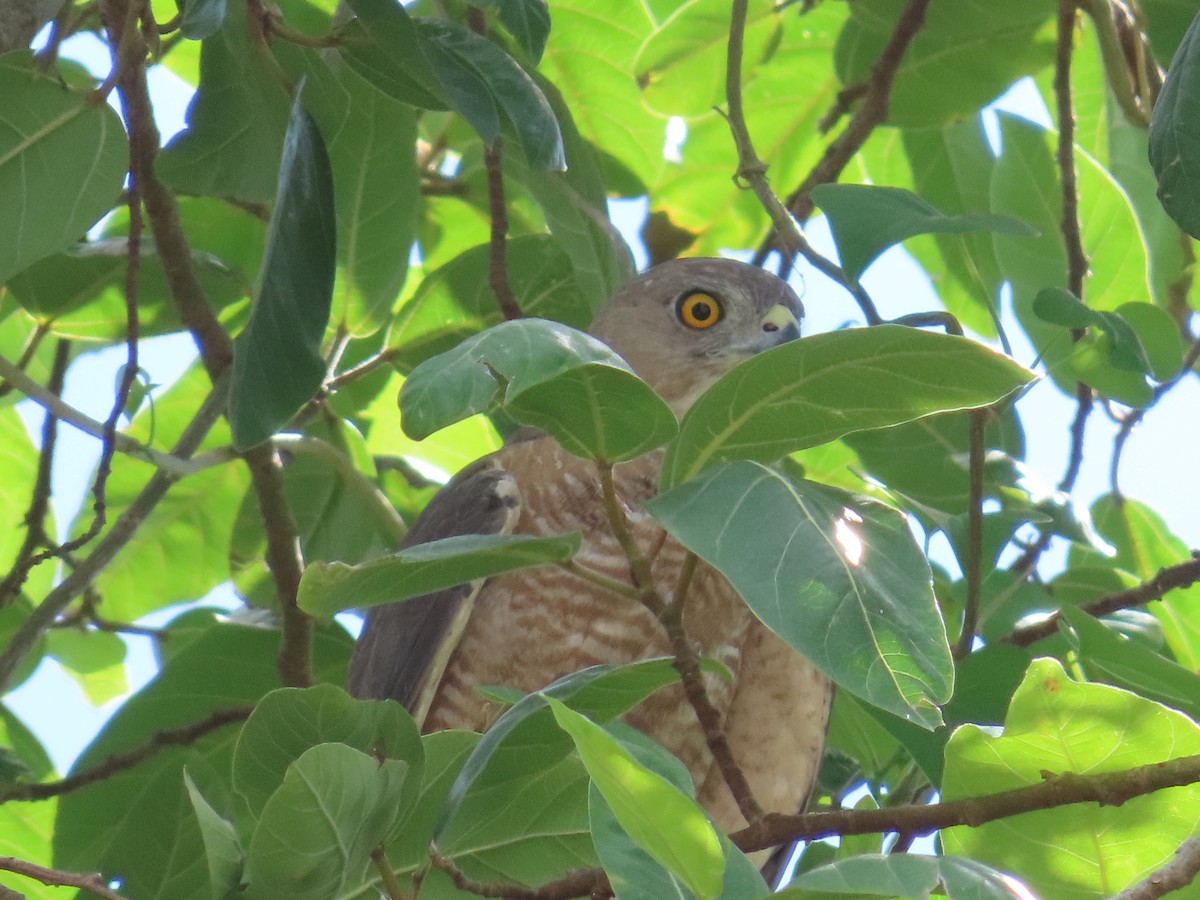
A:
<point x="681" y="66"/>
<point x="1106" y="655"/>
<point x="952" y="168"/>
<point x="526" y="20"/>
<point x="867" y="219"/>
<point x="455" y="302"/>
<point x="660" y="818"/>
<point x="840" y="579"/>
<point x="222" y="846"/>
<point x="383" y="46"/>
<point x="547" y="375"/>
<point x="62" y="161"/>
<point x="316" y="832"/>
<point x="698" y="192"/>
<point x="371" y="140"/>
<point x="1025" y="185"/>
<point x="327" y="588"/>
<point x="526" y="739"/>
<point x="25" y="833"/>
<point x="965" y="54"/>
<point x="290" y="721"/>
<point x="1058" y="725"/>
<point x="1175" y="135"/>
<point x="236" y="121"/>
<point x="482" y="80"/>
<point x="138" y="824"/>
<point x="201" y="18"/>
<point x="905" y="875"/>
<point x="277" y="361"/>
<point x="814" y="390"/>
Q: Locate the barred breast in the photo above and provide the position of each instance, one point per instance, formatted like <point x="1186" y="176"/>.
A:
<point x="531" y="627"/>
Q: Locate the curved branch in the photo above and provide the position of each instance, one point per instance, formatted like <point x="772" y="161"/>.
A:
<point x="93" y="883"/>
<point x="1177" y="576"/>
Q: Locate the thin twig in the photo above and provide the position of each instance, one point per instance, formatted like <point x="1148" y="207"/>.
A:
<point x="391" y="884"/>
<point x="1130" y="421"/>
<point x="110" y="544"/>
<point x="123" y="443"/>
<point x="1178" y="576"/>
<point x="93" y="883"/>
<point x="31" y="346"/>
<point x="1077" y="263"/>
<point x="216" y="352"/>
<point x="580" y="883"/>
<point x="120" y="762"/>
<point x="753" y="172"/>
<point x="39" y="504"/>
<point x="687" y="663"/>
<point x="1177" y="874"/>
<point x="1134" y="106"/>
<point x="872" y="113"/>
<point x="363" y="369"/>
<point x="973" y="574"/>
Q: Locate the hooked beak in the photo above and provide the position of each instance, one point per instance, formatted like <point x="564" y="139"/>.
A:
<point x="779" y="325"/>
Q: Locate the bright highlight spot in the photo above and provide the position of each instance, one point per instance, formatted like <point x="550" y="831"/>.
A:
<point x="676" y="136"/>
<point x="848" y="540"/>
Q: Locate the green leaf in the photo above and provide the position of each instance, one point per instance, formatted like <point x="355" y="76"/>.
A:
<point x="1144" y="545"/>
<point x="25" y="833"/>
<point x="663" y="821"/>
<point x="1175" y="135"/>
<point x="819" y="388"/>
<point x="328" y="588"/>
<point x="841" y="580"/>
<point x="1166" y="23"/>
<point x="222" y="848"/>
<point x="952" y="168"/>
<point x="93" y="659"/>
<point x="1109" y="656"/>
<point x="455" y="302"/>
<point x="383" y="46"/>
<point x="277" y="361"/>
<point x="62" y="162"/>
<point x="1058" y="725"/>
<point x="316" y="833"/>
<point x="546" y="375"/>
<point x="906" y="875"/>
<point x="371" y="140"/>
<point x="201" y="18"/>
<point x="1025" y="185"/>
<point x="526" y="20"/>
<point x="1158" y="335"/>
<point x="288" y="722"/>
<point x="575" y="204"/>
<point x="964" y="56"/>
<point x="867" y="219"/>
<point x="681" y="66"/>
<point x="236" y="121"/>
<point x="139" y="822"/>
<point x="526" y="739"/>
<point x="482" y="80"/>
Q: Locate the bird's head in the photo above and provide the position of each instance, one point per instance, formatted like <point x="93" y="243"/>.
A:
<point x="685" y="323"/>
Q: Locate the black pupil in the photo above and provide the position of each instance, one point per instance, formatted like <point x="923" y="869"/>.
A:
<point x="701" y="311"/>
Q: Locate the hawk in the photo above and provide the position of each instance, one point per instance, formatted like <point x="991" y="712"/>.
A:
<point x="680" y="326"/>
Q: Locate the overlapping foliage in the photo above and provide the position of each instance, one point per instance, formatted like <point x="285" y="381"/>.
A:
<point x="323" y="229"/>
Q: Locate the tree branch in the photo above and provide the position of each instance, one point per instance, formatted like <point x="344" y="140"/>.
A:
<point x="119" y="762"/>
<point x="580" y="883"/>
<point x="670" y="615"/>
<point x="1178" y="576"/>
<point x="39" y="504"/>
<point x="92" y="883"/>
<point x="973" y="569"/>
<point x="1068" y="788"/>
<point x="54" y="405"/>
<point x="1178" y="873"/>
<point x="117" y="536"/>
<point x="753" y="172"/>
<point x="876" y="99"/>
<point x="216" y="351"/>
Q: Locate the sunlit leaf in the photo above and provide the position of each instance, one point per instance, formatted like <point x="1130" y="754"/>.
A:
<point x="840" y="579"/>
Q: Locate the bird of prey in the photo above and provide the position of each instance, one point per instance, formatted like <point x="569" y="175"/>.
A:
<point x="680" y="326"/>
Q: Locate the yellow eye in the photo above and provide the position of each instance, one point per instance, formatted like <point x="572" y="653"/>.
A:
<point x="698" y="310"/>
